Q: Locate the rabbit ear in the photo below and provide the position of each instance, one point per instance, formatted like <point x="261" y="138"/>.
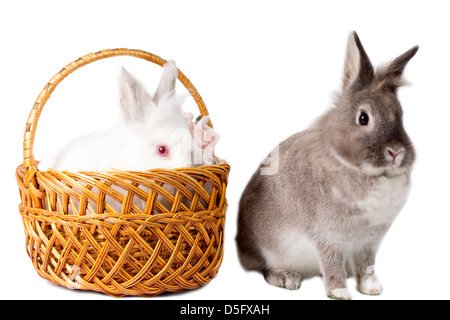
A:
<point x="187" y="116"/>
<point x="390" y="77"/>
<point x="133" y="98"/>
<point x="205" y="138"/>
<point x="358" y="70"/>
<point x="204" y="135"/>
<point x="166" y="87"/>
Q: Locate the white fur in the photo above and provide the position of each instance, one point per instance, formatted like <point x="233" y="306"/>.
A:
<point x="296" y="253"/>
<point x="132" y="147"/>
<point x="385" y="200"/>
<point x="370" y="286"/>
<point x="341" y="293"/>
<point x="133" y="143"/>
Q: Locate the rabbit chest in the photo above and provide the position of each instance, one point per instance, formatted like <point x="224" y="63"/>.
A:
<point x="384" y="200"/>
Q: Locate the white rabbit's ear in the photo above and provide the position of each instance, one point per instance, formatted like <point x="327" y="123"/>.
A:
<point x="358" y="69"/>
<point x="166" y="87"/>
<point x="133" y="98"/>
<point x="204" y="135"/>
<point x="187" y="117"/>
<point x="206" y="138"/>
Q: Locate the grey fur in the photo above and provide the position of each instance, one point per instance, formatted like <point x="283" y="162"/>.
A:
<point x="322" y="213"/>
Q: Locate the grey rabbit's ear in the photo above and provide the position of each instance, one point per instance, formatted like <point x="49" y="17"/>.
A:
<point x="358" y="70"/>
<point x="390" y="77"/>
<point x="166" y="87"/>
<point x="133" y="98"/>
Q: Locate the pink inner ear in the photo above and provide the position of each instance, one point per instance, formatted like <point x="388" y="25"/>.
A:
<point x="187" y="116"/>
<point x="204" y="135"/>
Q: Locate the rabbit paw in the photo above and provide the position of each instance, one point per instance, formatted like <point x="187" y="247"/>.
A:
<point x="370" y="286"/>
<point x="340" y="294"/>
<point x="285" y="279"/>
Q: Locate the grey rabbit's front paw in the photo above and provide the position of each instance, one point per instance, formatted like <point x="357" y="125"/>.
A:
<point x="340" y="294"/>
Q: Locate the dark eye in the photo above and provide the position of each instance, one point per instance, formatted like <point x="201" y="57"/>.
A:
<point x="163" y="150"/>
<point x="363" y="119"/>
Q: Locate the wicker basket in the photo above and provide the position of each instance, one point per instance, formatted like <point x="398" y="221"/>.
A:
<point x="76" y="238"/>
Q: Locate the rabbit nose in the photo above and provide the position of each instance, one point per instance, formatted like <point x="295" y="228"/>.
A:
<point x="394" y="154"/>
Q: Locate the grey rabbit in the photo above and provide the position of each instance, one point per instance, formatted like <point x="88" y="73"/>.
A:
<point x="339" y="186"/>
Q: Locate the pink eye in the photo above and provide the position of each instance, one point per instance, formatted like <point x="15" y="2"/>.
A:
<point x="163" y="150"/>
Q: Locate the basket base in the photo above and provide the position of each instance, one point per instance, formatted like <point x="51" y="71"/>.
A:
<point x="142" y="264"/>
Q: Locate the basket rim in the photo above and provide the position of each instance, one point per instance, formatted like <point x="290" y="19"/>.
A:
<point x="87" y="186"/>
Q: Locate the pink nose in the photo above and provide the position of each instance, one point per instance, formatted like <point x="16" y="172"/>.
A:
<point x="393" y="153"/>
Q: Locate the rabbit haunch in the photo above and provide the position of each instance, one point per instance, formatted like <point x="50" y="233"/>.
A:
<point x="339" y="186"/>
<point x="154" y="132"/>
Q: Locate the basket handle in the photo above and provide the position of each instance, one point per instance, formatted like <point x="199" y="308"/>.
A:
<point x="33" y="118"/>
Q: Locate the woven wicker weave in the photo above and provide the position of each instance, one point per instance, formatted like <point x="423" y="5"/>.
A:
<point x="76" y="237"/>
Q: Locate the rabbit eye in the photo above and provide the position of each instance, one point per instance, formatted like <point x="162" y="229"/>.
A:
<point x="163" y="150"/>
<point x="363" y="119"/>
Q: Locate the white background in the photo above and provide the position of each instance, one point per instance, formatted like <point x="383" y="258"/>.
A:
<point x="265" y="69"/>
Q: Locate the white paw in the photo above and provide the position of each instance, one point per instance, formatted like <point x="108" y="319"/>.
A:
<point x="285" y="279"/>
<point x="341" y="294"/>
<point x="370" y="286"/>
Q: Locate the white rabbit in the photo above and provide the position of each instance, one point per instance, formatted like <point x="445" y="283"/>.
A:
<point x="339" y="186"/>
<point x="154" y="133"/>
